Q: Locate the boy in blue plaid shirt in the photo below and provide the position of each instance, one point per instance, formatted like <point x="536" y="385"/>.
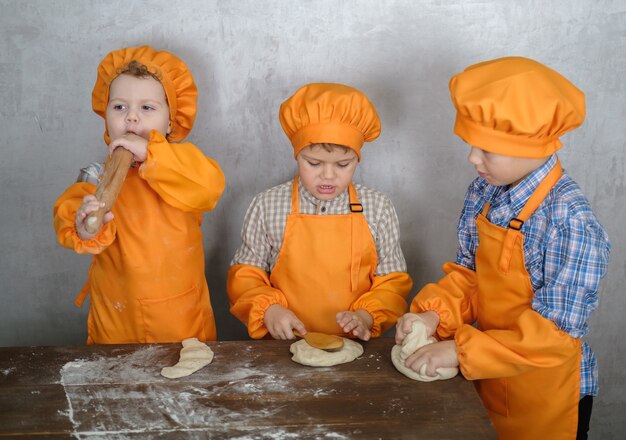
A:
<point x="512" y="309"/>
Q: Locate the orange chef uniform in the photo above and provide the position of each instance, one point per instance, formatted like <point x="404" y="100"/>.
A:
<point x="526" y="369"/>
<point x="517" y="357"/>
<point x="147" y="281"/>
<point x="326" y="263"/>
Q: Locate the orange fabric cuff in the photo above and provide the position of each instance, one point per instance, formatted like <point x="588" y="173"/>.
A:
<point x="386" y="301"/>
<point x="453" y="298"/>
<point x="250" y="294"/>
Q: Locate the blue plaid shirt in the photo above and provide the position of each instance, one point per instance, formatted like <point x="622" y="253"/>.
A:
<point x="566" y="251"/>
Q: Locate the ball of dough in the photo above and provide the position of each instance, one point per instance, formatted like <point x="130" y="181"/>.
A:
<point x="304" y="354"/>
<point x="415" y="340"/>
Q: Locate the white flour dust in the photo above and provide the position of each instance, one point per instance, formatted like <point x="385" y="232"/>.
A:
<point x="284" y="435"/>
<point x="124" y="395"/>
<point x="7" y="371"/>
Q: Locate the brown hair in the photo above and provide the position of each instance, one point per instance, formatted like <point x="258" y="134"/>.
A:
<point x="137" y="69"/>
<point x="330" y="147"/>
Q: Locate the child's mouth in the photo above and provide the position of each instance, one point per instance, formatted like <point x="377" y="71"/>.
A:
<point x="326" y="189"/>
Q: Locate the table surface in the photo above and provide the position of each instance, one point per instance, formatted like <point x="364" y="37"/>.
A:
<point x="251" y="390"/>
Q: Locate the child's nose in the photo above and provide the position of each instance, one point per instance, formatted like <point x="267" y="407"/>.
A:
<point x="328" y="172"/>
<point x="474" y="156"/>
<point x="131" y="116"/>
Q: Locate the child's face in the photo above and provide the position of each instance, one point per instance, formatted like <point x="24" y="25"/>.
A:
<point x="137" y="105"/>
<point x="499" y="170"/>
<point x="326" y="174"/>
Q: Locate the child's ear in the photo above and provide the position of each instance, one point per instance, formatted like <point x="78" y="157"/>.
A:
<point x="169" y="128"/>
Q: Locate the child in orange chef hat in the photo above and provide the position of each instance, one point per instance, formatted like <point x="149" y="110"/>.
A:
<point x="512" y="309"/>
<point x="147" y="279"/>
<point x="320" y="253"/>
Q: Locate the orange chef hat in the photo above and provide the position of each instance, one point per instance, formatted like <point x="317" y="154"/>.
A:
<point x="329" y="113"/>
<point x="515" y="106"/>
<point x="176" y="79"/>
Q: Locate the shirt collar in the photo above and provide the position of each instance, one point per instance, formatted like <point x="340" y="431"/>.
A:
<point x="519" y="194"/>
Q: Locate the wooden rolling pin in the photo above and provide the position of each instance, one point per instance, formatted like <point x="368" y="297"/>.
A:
<point x="109" y="186"/>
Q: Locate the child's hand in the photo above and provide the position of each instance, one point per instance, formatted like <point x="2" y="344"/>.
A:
<point x="358" y="323"/>
<point x="281" y="322"/>
<point x="437" y="355"/>
<point x="405" y="323"/>
<point x="133" y="143"/>
<point x="90" y="204"/>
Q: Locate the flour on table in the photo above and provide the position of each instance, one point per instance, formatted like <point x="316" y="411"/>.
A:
<point x="415" y="340"/>
<point x="304" y="354"/>
<point x="193" y="356"/>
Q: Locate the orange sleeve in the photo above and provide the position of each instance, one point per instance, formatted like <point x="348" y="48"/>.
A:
<point x="182" y="175"/>
<point x="386" y="301"/>
<point x="64" y="217"/>
<point x="533" y="341"/>
<point x="250" y="294"/>
<point x="453" y="298"/>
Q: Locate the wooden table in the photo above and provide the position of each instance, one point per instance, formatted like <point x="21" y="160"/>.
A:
<point x="252" y="390"/>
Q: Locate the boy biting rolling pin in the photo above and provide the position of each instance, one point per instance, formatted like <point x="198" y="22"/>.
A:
<point x="146" y="281"/>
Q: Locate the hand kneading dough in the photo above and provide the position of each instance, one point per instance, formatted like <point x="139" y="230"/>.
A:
<point x="412" y="342"/>
<point x="304" y="354"/>
<point x="193" y="356"/>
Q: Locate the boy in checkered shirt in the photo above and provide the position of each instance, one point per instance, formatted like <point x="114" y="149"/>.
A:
<point x="320" y="253"/>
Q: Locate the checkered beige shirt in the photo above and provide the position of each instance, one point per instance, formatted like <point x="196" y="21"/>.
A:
<point x="264" y="225"/>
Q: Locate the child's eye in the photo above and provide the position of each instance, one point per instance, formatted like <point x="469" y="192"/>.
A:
<point x="343" y="165"/>
<point x="313" y="164"/>
<point x="147" y="107"/>
<point x="119" y="107"/>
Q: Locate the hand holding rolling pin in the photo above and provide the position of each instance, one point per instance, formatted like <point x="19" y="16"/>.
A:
<point x="90" y="205"/>
<point x="132" y="142"/>
<point x="96" y="210"/>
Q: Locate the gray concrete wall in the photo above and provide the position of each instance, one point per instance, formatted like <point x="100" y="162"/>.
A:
<point x="247" y="57"/>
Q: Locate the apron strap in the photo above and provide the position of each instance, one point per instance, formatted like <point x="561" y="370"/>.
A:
<point x="486" y="209"/>
<point x="356" y="237"/>
<point x="514" y="233"/>
<point x="540" y="194"/>
<point x="82" y="295"/>
<point x="295" y="198"/>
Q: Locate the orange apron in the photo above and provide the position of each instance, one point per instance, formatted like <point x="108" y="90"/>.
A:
<point x="538" y="403"/>
<point x="316" y="254"/>
<point x="149" y="284"/>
